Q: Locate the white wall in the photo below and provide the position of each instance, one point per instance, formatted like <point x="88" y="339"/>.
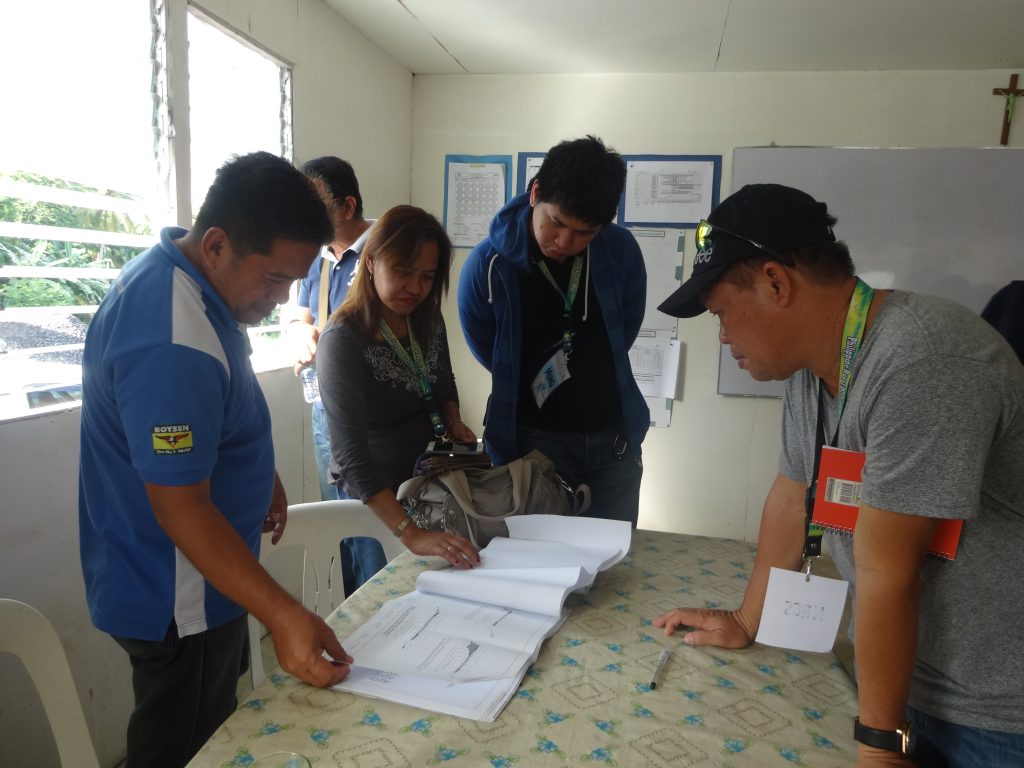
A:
<point x="349" y="100"/>
<point x="708" y="473"/>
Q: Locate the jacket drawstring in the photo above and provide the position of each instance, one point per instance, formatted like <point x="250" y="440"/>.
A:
<point x="490" y="286"/>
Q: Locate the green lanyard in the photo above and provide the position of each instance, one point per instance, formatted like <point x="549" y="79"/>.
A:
<point x="853" y="337"/>
<point x="568" y="298"/>
<point x="418" y="366"/>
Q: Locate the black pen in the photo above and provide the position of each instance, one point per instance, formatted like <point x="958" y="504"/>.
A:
<point x="658" y="669"/>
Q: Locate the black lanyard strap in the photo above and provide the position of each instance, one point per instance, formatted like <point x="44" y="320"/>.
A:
<point x="813" y="533"/>
<point x="853" y="336"/>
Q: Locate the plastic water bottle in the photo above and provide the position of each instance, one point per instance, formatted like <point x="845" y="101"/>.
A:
<point x="310" y="388"/>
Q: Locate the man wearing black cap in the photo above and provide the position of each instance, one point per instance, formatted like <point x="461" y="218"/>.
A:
<point x="934" y="400"/>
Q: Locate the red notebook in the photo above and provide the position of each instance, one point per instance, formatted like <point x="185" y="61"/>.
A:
<point x="837" y="500"/>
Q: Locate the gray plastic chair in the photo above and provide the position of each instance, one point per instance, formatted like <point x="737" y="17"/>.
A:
<point x="28" y="634"/>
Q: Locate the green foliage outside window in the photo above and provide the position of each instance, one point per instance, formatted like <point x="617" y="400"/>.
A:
<point x="37" y="292"/>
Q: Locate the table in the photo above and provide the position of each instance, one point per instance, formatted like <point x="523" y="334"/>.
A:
<point x="586" y="702"/>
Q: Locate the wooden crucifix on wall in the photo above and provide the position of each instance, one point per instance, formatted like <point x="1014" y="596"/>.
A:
<point x="1010" y="93"/>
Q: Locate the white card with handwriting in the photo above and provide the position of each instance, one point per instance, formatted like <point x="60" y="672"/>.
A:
<point x="800" y="614"/>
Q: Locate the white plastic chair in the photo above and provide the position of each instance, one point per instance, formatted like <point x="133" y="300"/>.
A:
<point x="306" y="560"/>
<point x="28" y="634"/>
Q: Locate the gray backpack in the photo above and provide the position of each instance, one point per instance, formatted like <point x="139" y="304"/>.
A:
<point x="474" y="502"/>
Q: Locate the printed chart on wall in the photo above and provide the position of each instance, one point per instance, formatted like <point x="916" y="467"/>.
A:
<point x="655" y="355"/>
<point x="475" y="188"/>
<point x="669" y="190"/>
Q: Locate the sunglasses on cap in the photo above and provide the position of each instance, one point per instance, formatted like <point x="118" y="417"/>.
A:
<point x="705" y="238"/>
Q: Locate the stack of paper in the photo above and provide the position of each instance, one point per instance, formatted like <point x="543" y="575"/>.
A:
<point x="461" y="643"/>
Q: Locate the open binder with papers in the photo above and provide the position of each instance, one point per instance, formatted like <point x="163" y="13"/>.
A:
<point x="461" y="643"/>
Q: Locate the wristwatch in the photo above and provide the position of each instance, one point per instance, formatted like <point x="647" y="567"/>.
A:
<point x="902" y="740"/>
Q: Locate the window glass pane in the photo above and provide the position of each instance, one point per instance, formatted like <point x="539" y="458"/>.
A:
<point x="77" y="181"/>
<point x="236" y="93"/>
<point x="234" y="102"/>
<point x="76" y="91"/>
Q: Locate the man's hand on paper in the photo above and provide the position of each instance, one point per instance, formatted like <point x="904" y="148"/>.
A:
<point x="725" y="629"/>
<point x="455" y="549"/>
<point x="300" y="640"/>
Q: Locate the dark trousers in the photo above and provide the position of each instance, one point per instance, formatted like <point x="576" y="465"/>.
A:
<point x="184" y="689"/>
<point x="601" y="460"/>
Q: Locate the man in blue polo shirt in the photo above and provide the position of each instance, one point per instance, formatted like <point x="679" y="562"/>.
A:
<point x="177" y="476"/>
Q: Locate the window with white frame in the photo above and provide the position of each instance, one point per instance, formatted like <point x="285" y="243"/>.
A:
<point x="86" y="162"/>
<point x="239" y="102"/>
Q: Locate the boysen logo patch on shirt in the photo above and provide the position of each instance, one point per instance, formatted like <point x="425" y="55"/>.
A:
<point x="172" y="438"/>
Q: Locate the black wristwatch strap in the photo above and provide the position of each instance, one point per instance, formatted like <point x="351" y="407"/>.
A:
<point x="900" y="741"/>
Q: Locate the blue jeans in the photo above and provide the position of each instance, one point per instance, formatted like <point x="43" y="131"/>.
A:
<point x="322" y="452"/>
<point x="600" y="460"/>
<point x="361" y="556"/>
<point x="962" y="746"/>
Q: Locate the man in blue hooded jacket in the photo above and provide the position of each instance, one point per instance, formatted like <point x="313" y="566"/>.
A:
<point x="550" y="304"/>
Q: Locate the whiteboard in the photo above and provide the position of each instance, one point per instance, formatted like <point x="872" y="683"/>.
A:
<point x="943" y="221"/>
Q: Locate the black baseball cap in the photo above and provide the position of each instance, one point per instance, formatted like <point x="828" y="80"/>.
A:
<point x="769" y="217"/>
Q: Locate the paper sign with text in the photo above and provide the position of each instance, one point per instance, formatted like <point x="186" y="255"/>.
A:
<point x="801" y="614"/>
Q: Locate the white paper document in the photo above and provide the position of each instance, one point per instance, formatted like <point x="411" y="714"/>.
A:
<point x="534" y="590"/>
<point x="668" y="191"/>
<point x="449" y="639"/>
<point x="610" y="537"/>
<point x="482" y="701"/>
<point x="655" y="364"/>
<point x="663" y="251"/>
<point x="476" y="191"/>
<point x="533" y="165"/>
<point x="661" y="411"/>
<point x="461" y="643"/>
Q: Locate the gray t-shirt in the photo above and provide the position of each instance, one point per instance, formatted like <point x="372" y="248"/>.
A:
<point x="937" y="406"/>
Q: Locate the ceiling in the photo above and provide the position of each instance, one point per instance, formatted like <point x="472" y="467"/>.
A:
<point x="631" y="36"/>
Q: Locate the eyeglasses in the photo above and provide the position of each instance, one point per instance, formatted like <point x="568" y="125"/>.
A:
<point x="705" y="238"/>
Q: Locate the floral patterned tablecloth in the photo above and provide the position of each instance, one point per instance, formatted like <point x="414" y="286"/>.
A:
<point x="587" y="700"/>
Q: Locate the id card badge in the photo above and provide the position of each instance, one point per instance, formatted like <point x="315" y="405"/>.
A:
<point x="801" y="612"/>
<point x="551" y="376"/>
